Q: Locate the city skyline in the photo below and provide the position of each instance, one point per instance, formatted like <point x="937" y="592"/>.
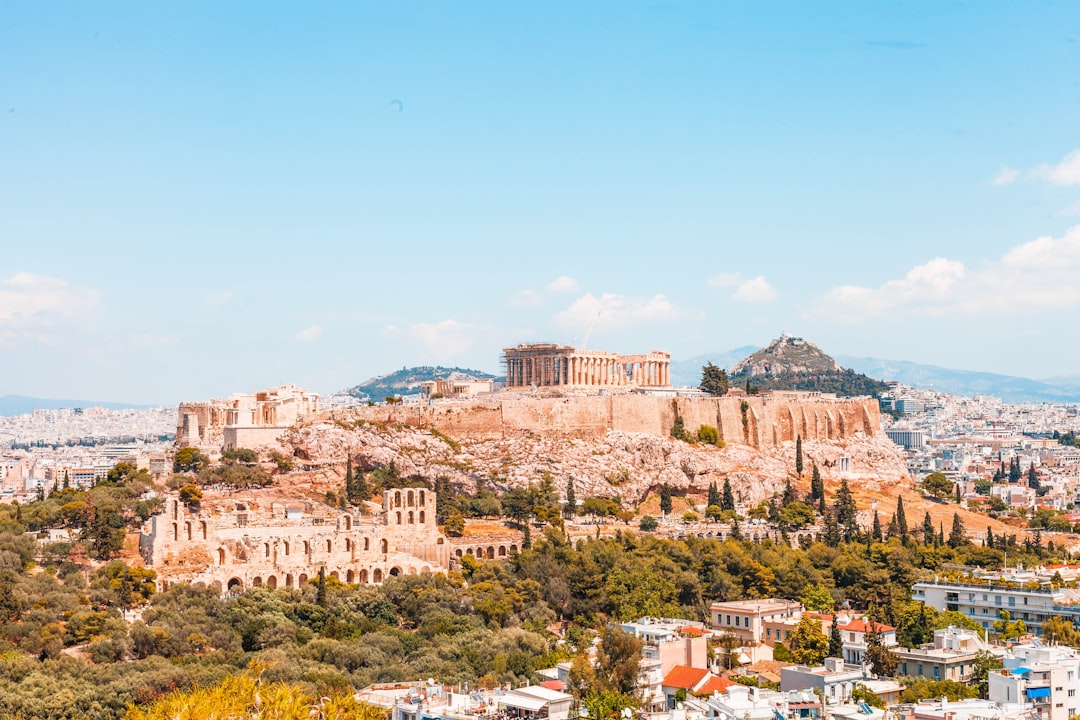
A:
<point x="200" y="200"/>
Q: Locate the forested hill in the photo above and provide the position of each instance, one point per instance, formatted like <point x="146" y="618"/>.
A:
<point x="407" y="381"/>
<point x="791" y="363"/>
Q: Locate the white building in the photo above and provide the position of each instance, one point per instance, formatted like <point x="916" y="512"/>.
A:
<point x="1046" y="677"/>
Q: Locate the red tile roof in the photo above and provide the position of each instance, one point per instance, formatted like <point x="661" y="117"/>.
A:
<point x="714" y="684"/>
<point x="685" y="677"/>
<point x="556" y="685"/>
<point x="860" y="625"/>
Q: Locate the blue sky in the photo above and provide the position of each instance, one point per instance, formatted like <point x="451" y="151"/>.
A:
<point x="201" y="198"/>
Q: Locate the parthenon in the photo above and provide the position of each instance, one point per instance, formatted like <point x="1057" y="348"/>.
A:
<point x="551" y="365"/>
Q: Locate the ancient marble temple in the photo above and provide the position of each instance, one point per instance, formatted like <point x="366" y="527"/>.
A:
<point x="551" y="365"/>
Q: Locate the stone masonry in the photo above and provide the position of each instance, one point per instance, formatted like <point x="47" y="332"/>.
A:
<point x="235" y="544"/>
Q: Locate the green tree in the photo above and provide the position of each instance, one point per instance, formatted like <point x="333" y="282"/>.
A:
<point x="320" y="594"/>
<point x="1007" y="628"/>
<point x="570" y="508"/>
<point x="1060" y="631"/>
<point x="798" y="456"/>
<point x="190" y="494"/>
<point x="809" y="646"/>
<point x="189" y="459"/>
<point x="796" y="515"/>
<point x="928" y="529"/>
<point x="817" y="598"/>
<point x="517" y="503"/>
<point x="665" y="499"/>
<point x="714" y="380"/>
<point x="789" y="493"/>
<point x="727" y="499"/>
<point x="454" y="525"/>
<point x="901" y="519"/>
<point x="836" y="642"/>
<point x="846" y="512"/>
<point x="714" y="513"/>
<point x="648" y="523"/>
<point x="957" y="537"/>
<point x="618" y="661"/>
<point x="678" y="430"/>
<point x="984" y="662"/>
<point x="938" y="485"/>
<point x="714" y="495"/>
<point x="817" y="489"/>
<point x="875" y="529"/>
<point x="879" y="658"/>
<point x="709" y="435"/>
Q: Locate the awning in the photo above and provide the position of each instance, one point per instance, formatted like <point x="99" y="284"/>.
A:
<point x="523" y="702"/>
<point x="1038" y="692"/>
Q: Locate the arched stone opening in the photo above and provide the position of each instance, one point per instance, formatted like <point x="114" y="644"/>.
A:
<point x="410" y="499"/>
<point x="491" y="552"/>
<point x="376" y="577"/>
<point x="221" y="556"/>
<point x="175" y="532"/>
<point x="285" y="546"/>
<point x="395" y="571"/>
<point x="398" y="517"/>
<point x="334" y="574"/>
<point x="302" y="580"/>
<point x="363" y="577"/>
<point x="288" y="580"/>
<point x="235" y="585"/>
<point x="271" y="582"/>
<point x="187" y="531"/>
<point x="457" y="552"/>
<point x="350" y="577"/>
<point x="411" y="518"/>
<point x="367" y="544"/>
<point x="502" y="551"/>
<point x="257" y="582"/>
<point x="423" y="517"/>
<point x="329" y="546"/>
<point x="384" y="546"/>
<point x="202" y="529"/>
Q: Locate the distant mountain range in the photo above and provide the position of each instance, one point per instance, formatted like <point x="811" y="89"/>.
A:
<point x="967" y="382"/>
<point x="407" y="381"/>
<point x="11" y="405"/>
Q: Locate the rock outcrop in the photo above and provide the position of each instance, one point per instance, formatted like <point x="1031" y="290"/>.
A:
<point x="630" y="465"/>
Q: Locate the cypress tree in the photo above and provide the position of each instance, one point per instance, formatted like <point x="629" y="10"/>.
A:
<point x="1014" y="470"/>
<point x="817" y="487"/>
<point x="320" y="595"/>
<point x="714" y="496"/>
<point x="846" y="512"/>
<point x="789" y="494"/>
<point x="832" y="530"/>
<point x="736" y="533"/>
<point x="836" y="643"/>
<point x="927" y="530"/>
<point x="901" y="519"/>
<point x="665" y="499"/>
<point x="350" y="481"/>
<point x="1033" y="477"/>
<point x="875" y="532"/>
<point x="956" y="536"/>
<point x="990" y="538"/>
<point x="570" y="509"/>
<point x="798" y="456"/>
<point x="727" y="501"/>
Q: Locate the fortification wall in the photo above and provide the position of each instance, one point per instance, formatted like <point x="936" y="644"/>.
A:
<point x="759" y="421"/>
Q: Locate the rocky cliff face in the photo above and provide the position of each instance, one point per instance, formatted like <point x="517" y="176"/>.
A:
<point x="630" y="465"/>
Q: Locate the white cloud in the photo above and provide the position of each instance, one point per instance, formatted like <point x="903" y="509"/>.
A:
<point x="1037" y="276"/>
<point x="611" y="310"/>
<point x="445" y="338"/>
<point x="1066" y="172"/>
<point x="726" y="280"/>
<point x="755" y="290"/>
<point x="28" y="299"/>
<point x="748" y="290"/>
<point x="563" y="284"/>
<point x="526" y="298"/>
<point x="1005" y="176"/>
<point x="308" y="334"/>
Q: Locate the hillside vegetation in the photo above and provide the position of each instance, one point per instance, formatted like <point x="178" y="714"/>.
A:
<point x="791" y="363"/>
<point x="406" y="381"/>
